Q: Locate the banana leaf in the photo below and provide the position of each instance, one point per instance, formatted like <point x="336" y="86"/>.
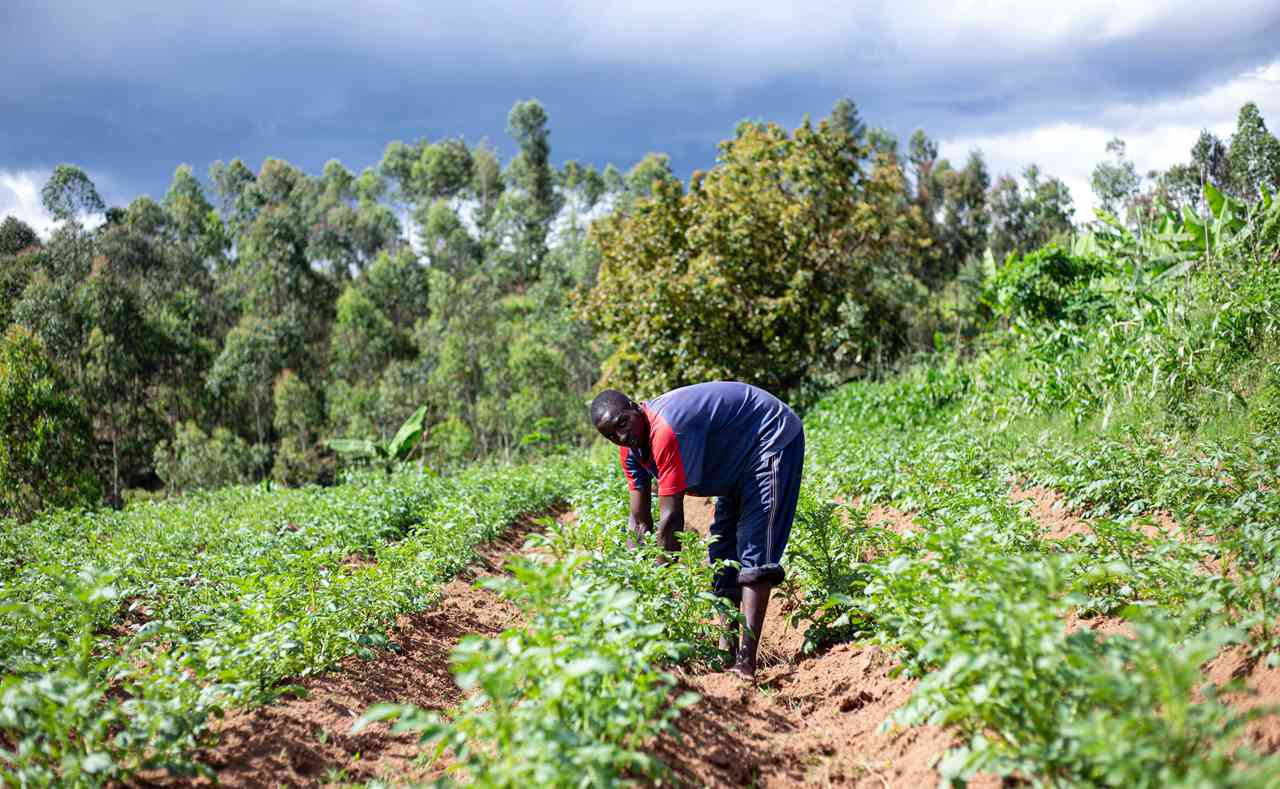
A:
<point x="356" y="447"/>
<point x="407" y="436"/>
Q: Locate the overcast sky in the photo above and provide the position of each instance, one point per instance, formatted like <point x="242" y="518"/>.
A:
<point x="128" y="90"/>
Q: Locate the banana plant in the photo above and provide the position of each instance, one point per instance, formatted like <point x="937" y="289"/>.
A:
<point x="397" y="450"/>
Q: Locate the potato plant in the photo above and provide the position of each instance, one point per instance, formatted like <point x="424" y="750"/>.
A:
<point x="124" y="634"/>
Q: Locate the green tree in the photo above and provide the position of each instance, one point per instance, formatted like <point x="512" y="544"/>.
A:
<point x="1028" y="217"/>
<point x="255" y="352"/>
<point x="347" y="227"/>
<point x="487" y="186"/>
<point x="363" y="340"/>
<point x="446" y="242"/>
<point x="69" y="194"/>
<point x="1254" y="155"/>
<point x="299" y="414"/>
<point x="1116" y="182"/>
<point x="16" y="236"/>
<point x="966" y="219"/>
<point x="753" y="274"/>
<point x="45" y="436"/>
<point x="195" y="459"/>
<point x="845" y="119"/>
<point x="196" y="225"/>
<point x="444" y="170"/>
<point x="647" y="173"/>
<point x="397" y="283"/>
<point x="534" y="203"/>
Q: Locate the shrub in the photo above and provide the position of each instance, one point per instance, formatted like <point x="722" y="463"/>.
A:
<point x="1048" y="284"/>
<point x="196" y="459"/>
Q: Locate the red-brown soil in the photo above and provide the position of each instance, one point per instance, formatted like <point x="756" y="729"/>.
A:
<point x="307" y="741"/>
<point x="1262" y="683"/>
<point x="1261" y="689"/>
<point x="1057" y="521"/>
<point x="809" y="720"/>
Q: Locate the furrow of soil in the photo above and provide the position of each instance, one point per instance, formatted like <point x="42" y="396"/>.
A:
<point x="1261" y="682"/>
<point x="307" y="740"/>
<point x="812" y="720"/>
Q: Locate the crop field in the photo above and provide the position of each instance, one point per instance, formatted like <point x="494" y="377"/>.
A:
<point x="1049" y="558"/>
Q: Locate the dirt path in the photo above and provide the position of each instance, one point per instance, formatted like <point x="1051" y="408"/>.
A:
<point x="308" y="741"/>
<point x="812" y="721"/>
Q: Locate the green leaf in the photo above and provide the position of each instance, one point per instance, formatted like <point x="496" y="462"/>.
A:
<point x="407" y="436"/>
<point x="1109" y="218"/>
<point x="96" y="762"/>
<point x="1174" y="271"/>
<point x="359" y="447"/>
<point x="588" y="665"/>
<point x="1215" y="198"/>
<point x="380" y="712"/>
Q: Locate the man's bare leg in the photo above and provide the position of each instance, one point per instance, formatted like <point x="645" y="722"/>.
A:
<point x="755" y="601"/>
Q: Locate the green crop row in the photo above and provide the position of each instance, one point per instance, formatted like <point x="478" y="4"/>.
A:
<point x="1157" y="414"/>
<point x="572" y="696"/>
<point x="123" y="634"/>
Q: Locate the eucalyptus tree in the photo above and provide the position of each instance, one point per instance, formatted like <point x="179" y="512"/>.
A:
<point x="1115" y="182"/>
<point x="70" y="195"/>
<point x="232" y="185"/>
<point x="487" y="187"/>
<point x="47" y="436"/>
<point x="1254" y="155"/>
<point x="532" y="202"/>
<point x="282" y="303"/>
<point x="966" y="220"/>
<point x="1025" y="218"/>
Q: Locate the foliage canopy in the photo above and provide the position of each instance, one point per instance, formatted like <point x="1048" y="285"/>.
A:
<point x="764" y="271"/>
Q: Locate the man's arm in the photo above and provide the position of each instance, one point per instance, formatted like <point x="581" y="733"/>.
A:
<point x="671" y="514"/>
<point x="641" y="520"/>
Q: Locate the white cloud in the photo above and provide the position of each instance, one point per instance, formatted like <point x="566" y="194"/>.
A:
<point x="1157" y="134"/>
<point x="20" y="197"/>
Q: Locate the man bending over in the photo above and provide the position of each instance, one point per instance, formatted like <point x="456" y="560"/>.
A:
<point x="730" y="440"/>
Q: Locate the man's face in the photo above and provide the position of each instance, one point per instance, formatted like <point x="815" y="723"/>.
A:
<point x="626" y="428"/>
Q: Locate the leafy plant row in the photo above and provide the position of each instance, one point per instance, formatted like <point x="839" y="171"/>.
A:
<point x="124" y="634"/>
<point x="1132" y="395"/>
<point x="572" y="696"/>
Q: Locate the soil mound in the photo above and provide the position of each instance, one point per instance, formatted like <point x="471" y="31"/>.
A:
<point x="810" y="721"/>
<point x="813" y="723"/>
<point x="1261" y="690"/>
<point x="307" y="741"/>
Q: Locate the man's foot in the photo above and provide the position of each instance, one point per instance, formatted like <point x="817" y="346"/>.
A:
<point x="743" y="671"/>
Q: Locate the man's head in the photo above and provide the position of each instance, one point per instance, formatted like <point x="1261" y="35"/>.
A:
<point x="619" y="419"/>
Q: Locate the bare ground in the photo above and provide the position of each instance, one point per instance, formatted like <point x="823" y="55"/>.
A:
<point x="307" y="741"/>
<point x="811" y="720"/>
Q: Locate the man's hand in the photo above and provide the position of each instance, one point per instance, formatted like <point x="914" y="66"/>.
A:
<point x="641" y="520"/>
<point x="671" y="514"/>
<point x="671" y="522"/>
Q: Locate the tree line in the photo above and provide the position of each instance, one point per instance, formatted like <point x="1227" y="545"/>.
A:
<point x="226" y="332"/>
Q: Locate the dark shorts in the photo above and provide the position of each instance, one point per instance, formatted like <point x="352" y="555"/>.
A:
<point x="753" y="523"/>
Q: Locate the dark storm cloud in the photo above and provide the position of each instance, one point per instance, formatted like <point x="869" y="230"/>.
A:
<point x="133" y="90"/>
